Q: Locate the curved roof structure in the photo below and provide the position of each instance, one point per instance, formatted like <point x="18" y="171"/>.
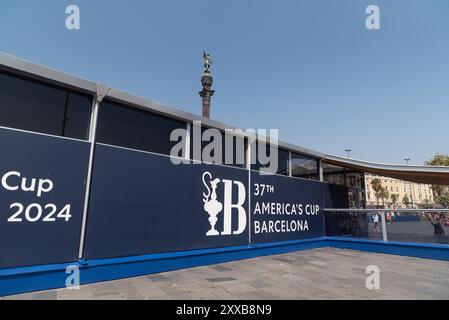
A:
<point x="421" y="174"/>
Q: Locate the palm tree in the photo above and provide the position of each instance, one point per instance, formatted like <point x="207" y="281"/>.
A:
<point x="384" y="194"/>
<point x="376" y="184"/>
<point x="394" y="198"/>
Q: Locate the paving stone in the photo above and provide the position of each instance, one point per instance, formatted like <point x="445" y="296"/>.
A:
<point x="103" y="292"/>
<point x="258" y="284"/>
<point x="224" y="279"/>
<point x="25" y="296"/>
<point x="48" y="295"/>
<point x="157" y="278"/>
<point x="221" y="268"/>
<point x="238" y="288"/>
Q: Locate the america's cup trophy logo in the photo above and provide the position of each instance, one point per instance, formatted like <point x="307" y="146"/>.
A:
<point x="211" y="205"/>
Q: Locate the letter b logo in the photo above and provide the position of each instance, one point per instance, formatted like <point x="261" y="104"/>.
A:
<point x="234" y="197"/>
<point x="228" y="206"/>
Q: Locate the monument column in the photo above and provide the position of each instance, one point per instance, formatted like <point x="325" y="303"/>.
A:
<point x="207" y="81"/>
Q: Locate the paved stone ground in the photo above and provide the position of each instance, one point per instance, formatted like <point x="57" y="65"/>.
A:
<point x="326" y="273"/>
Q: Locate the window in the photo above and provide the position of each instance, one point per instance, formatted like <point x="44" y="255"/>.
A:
<point x="238" y="151"/>
<point x="333" y="174"/>
<point x="304" y="167"/>
<point x="34" y="106"/>
<point x="133" y="128"/>
<point x="283" y="159"/>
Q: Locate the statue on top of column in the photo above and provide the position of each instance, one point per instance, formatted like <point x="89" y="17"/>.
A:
<point x="207" y="61"/>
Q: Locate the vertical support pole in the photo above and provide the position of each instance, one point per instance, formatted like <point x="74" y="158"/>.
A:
<point x="320" y="170"/>
<point x="248" y="167"/>
<point x="188" y="139"/>
<point x="384" y="227"/>
<point x="289" y="163"/>
<point x="66" y="107"/>
<point x="101" y="93"/>
<point x="321" y="178"/>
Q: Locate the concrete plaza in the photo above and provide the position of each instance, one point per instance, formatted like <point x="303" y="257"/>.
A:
<point x="325" y="273"/>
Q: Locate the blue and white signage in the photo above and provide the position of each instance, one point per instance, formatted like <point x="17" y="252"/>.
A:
<point x="284" y="208"/>
<point x="142" y="203"/>
<point x="42" y="185"/>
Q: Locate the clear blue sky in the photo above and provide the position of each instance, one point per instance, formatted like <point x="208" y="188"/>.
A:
<point x="309" y="68"/>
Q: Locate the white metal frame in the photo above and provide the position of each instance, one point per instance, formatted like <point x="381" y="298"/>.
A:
<point x="98" y="98"/>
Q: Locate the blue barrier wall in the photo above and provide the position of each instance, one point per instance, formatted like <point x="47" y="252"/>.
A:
<point x="142" y="203"/>
<point x="41" y="225"/>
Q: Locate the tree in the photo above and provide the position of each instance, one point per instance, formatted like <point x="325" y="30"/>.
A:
<point x="444" y="200"/>
<point x="394" y="198"/>
<point x="406" y="200"/>
<point x="440" y="159"/>
<point x="384" y="194"/>
<point x="441" y="193"/>
<point x="376" y="184"/>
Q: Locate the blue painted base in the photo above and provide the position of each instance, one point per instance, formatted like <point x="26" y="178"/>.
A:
<point x="36" y="278"/>
<point x="29" y="279"/>
<point x="409" y="249"/>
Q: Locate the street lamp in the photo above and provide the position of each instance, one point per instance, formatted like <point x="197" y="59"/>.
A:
<point x="348" y="151"/>
<point x="407" y="160"/>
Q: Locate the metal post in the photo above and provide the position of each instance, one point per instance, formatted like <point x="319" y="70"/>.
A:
<point x="320" y="170"/>
<point x="384" y="227"/>
<point x="248" y="167"/>
<point x="102" y="91"/>
<point x="289" y="163"/>
<point x="188" y="138"/>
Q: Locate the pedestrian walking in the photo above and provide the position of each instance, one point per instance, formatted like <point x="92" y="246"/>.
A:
<point x="376" y="222"/>
<point x="438" y="229"/>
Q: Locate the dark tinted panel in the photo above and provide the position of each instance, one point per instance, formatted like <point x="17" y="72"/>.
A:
<point x="34" y="106"/>
<point x="77" y="116"/>
<point x="136" y="129"/>
<point x="334" y="174"/>
<point x="238" y="151"/>
<point x="235" y="156"/>
<point x="304" y="167"/>
<point x="204" y="144"/>
<point x="283" y="159"/>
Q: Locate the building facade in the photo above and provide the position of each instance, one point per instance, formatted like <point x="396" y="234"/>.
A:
<point x="417" y="194"/>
